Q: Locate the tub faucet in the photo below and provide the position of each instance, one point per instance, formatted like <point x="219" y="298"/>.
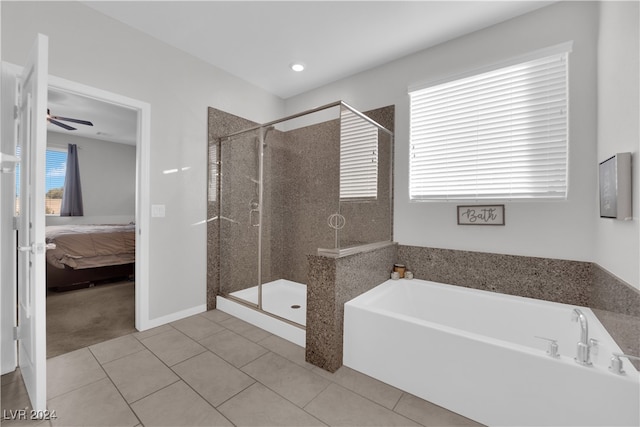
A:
<point x="583" y="356"/>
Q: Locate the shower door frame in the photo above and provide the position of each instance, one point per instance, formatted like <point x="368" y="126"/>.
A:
<point x="262" y="130"/>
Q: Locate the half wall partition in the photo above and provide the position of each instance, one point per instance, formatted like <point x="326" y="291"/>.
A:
<point x="315" y="182"/>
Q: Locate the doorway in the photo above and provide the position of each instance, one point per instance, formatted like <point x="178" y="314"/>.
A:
<point x="92" y="302"/>
<point x="142" y="204"/>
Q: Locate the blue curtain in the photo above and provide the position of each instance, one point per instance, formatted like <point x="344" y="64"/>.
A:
<point x="72" y="194"/>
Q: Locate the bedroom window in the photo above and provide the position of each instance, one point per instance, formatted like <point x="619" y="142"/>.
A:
<point x="501" y="134"/>
<point x="55" y="168"/>
<point x="358" y="158"/>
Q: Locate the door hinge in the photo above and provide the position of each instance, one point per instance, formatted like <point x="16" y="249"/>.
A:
<point x="17" y="333"/>
<point x="16" y="222"/>
<point x="15" y="112"/>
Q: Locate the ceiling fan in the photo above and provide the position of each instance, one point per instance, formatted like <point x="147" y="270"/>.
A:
<point x="55" y="120"/>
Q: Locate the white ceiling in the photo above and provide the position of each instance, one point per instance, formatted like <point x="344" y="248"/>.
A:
<point x="110" y="122"/>
<point x="258" y="40"/>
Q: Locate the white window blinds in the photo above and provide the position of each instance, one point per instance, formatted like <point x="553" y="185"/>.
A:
<point x="358" y="157"/>
<point x="496" y="135"/>
<point x="56" y="168"/>
<point x="55" y="171"/>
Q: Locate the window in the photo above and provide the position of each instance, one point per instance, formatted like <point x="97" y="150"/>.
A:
<point x="358" y="157"/>
<point x="500" y="134"/>
<point x="55" y="169"/>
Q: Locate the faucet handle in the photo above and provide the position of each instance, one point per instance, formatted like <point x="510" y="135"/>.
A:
<point x="552" y="349"/>
<point x="616" y="362"/>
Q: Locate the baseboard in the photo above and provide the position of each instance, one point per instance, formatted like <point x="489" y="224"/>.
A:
<point x="159" y="321"/>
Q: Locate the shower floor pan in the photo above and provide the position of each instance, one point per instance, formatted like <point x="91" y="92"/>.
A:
<point x="282" y="298"/>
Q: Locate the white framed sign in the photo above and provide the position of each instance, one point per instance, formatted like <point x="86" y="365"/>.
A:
<point x="481" y="215"/>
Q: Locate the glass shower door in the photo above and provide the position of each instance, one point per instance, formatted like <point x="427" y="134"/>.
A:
<point x="239" y="217"/>
<point x="365" y="182"/>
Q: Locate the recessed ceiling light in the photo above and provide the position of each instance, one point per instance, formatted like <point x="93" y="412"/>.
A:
<point x="297" y="67"/>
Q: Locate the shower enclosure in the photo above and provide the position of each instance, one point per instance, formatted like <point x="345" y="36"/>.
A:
<point x="318" y="182"/>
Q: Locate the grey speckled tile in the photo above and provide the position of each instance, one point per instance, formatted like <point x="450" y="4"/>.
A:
<point x="197" y="327"/>
<point x="295" y="383"/>
<point x="233" y="348"/>
<point x="70" y="371"/>
<point x="213" y="378"/>
<point x="428" y="414"/>
<point x="335" y="406"/>
<point x="260" y="407"/>
<point x="286" y="349"/>
<point x="97" y="404"/>
<point x="177" y="405"/>
<point x="331" y="283"/>
<point x="245" y="329"/>
<point x="548" y="279"/>
<point x="139" y="375"/>
<point x="381" y="393"/>
<point x="116" y="348"/>
<point x="173" y="347"/>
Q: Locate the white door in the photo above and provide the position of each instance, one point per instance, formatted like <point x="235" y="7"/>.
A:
<point x="32" y="139"/>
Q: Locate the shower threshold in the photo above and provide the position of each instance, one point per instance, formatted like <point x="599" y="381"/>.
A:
<point x="284" y="306"/>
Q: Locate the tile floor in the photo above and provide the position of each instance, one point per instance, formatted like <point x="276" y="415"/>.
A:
<point x="214" y="370"/>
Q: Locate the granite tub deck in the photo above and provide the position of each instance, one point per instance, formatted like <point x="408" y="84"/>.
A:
<point x="333" y="282"/>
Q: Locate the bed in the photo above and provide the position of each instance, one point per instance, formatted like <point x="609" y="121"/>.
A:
<point x="88" y="254"/>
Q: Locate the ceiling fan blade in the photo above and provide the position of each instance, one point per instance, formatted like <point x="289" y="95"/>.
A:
<point x="66" y="119"/>
<point x="62" y="125"/>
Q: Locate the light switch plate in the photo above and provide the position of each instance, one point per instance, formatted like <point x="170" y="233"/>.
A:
<point x="158" y="211"/>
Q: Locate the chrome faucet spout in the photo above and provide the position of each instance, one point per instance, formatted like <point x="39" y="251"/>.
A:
<point x="583" y="356"/>
<point x="578" y="316"/>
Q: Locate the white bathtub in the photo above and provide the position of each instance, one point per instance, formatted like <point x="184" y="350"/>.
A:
<point x="475" y="353"/>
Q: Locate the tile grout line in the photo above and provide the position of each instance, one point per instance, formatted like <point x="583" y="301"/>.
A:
<point x="284" y="397"/>
<point x="115" y="386"/>
<point x="201" y="396"/>
<point x="310" y="371"/>
<point x="224" y="328"/>
<point x="180" y="379"/>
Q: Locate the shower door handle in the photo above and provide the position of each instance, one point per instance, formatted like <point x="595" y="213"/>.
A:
<point x="251" y="218"/>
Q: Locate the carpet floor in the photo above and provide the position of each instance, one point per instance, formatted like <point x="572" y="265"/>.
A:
<point x="80" y="318"/>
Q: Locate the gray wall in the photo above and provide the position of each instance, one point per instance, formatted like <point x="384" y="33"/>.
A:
<point x="562" y="229"/>
<point x="108" y="177"/>
<point x="618" y="242"/>
<point x="90" y="48"/>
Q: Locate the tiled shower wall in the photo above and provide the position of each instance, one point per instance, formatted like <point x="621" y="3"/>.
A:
<point x="220" y="124"/>
<point x="301" y="190"/>
<point x="331" y="283"/>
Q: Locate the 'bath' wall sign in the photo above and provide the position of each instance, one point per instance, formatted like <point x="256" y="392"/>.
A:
<point x="481" y="215"/>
